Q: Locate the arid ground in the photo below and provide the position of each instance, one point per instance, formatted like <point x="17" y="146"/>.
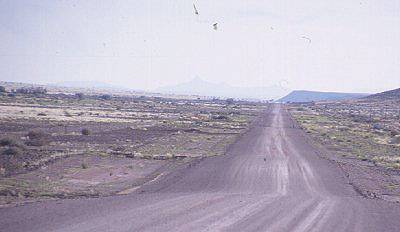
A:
<point x="64" y="144"/>
<point x="362" y="137"/>
<point x="271" y="179"/>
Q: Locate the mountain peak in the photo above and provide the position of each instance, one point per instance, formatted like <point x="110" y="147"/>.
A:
<point x="198" y="86"/>
<point x="197" y="78"/>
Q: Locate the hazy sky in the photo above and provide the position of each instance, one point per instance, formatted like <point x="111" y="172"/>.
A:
<point x="340" y="45"/>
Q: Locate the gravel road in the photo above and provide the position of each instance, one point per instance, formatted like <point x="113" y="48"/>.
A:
<point x="272" y="179"/>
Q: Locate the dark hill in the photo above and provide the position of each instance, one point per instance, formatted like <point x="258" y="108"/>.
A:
<point x="309" y="96"/>
<point x="387" y="95"/>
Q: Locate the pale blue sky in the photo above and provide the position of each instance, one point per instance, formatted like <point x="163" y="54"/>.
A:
<point x="144" y="44"/>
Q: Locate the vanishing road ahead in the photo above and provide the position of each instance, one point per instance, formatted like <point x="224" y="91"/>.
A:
<point x="272" y="179"/>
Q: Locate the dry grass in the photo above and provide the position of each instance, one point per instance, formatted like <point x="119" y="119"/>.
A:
<point x="110" y="126"/>
<point x="367" y="138"/>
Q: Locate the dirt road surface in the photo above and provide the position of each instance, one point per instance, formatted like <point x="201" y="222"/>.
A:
<point x="272" y="179"/>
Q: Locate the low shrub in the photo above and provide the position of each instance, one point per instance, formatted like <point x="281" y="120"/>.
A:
<point x="229" y="101"/>
<point x="36" y="134"/>
<point x="31" y="90"/>
<point x="37" y="138"/>
<point x="67" y="114"/>
<point x="377" y="126"/>
<point x="219" y="117"/>
<point x="85" y="131"/>
<point x="80" y="96"/>
<point x="13" y="151"/>
<point x="394" y="132"/>
<point x="84" y="165"/>
<point x="105" y="96"/>
<point x="11" y="142"/>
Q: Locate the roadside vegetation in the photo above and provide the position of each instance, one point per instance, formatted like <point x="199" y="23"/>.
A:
<point x="63" y="143"/>
<point x="369" y="137"/>
<point x="363" y="137"/>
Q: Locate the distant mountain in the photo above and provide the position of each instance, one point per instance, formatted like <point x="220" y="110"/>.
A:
<point x="309" y="96"/>
<point x="88" y="85"/>
<point x="387" y="95"/>
<point x="197" y="86"/>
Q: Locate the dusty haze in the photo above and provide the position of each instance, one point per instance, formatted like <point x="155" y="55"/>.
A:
<point x="349" y="46"/>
